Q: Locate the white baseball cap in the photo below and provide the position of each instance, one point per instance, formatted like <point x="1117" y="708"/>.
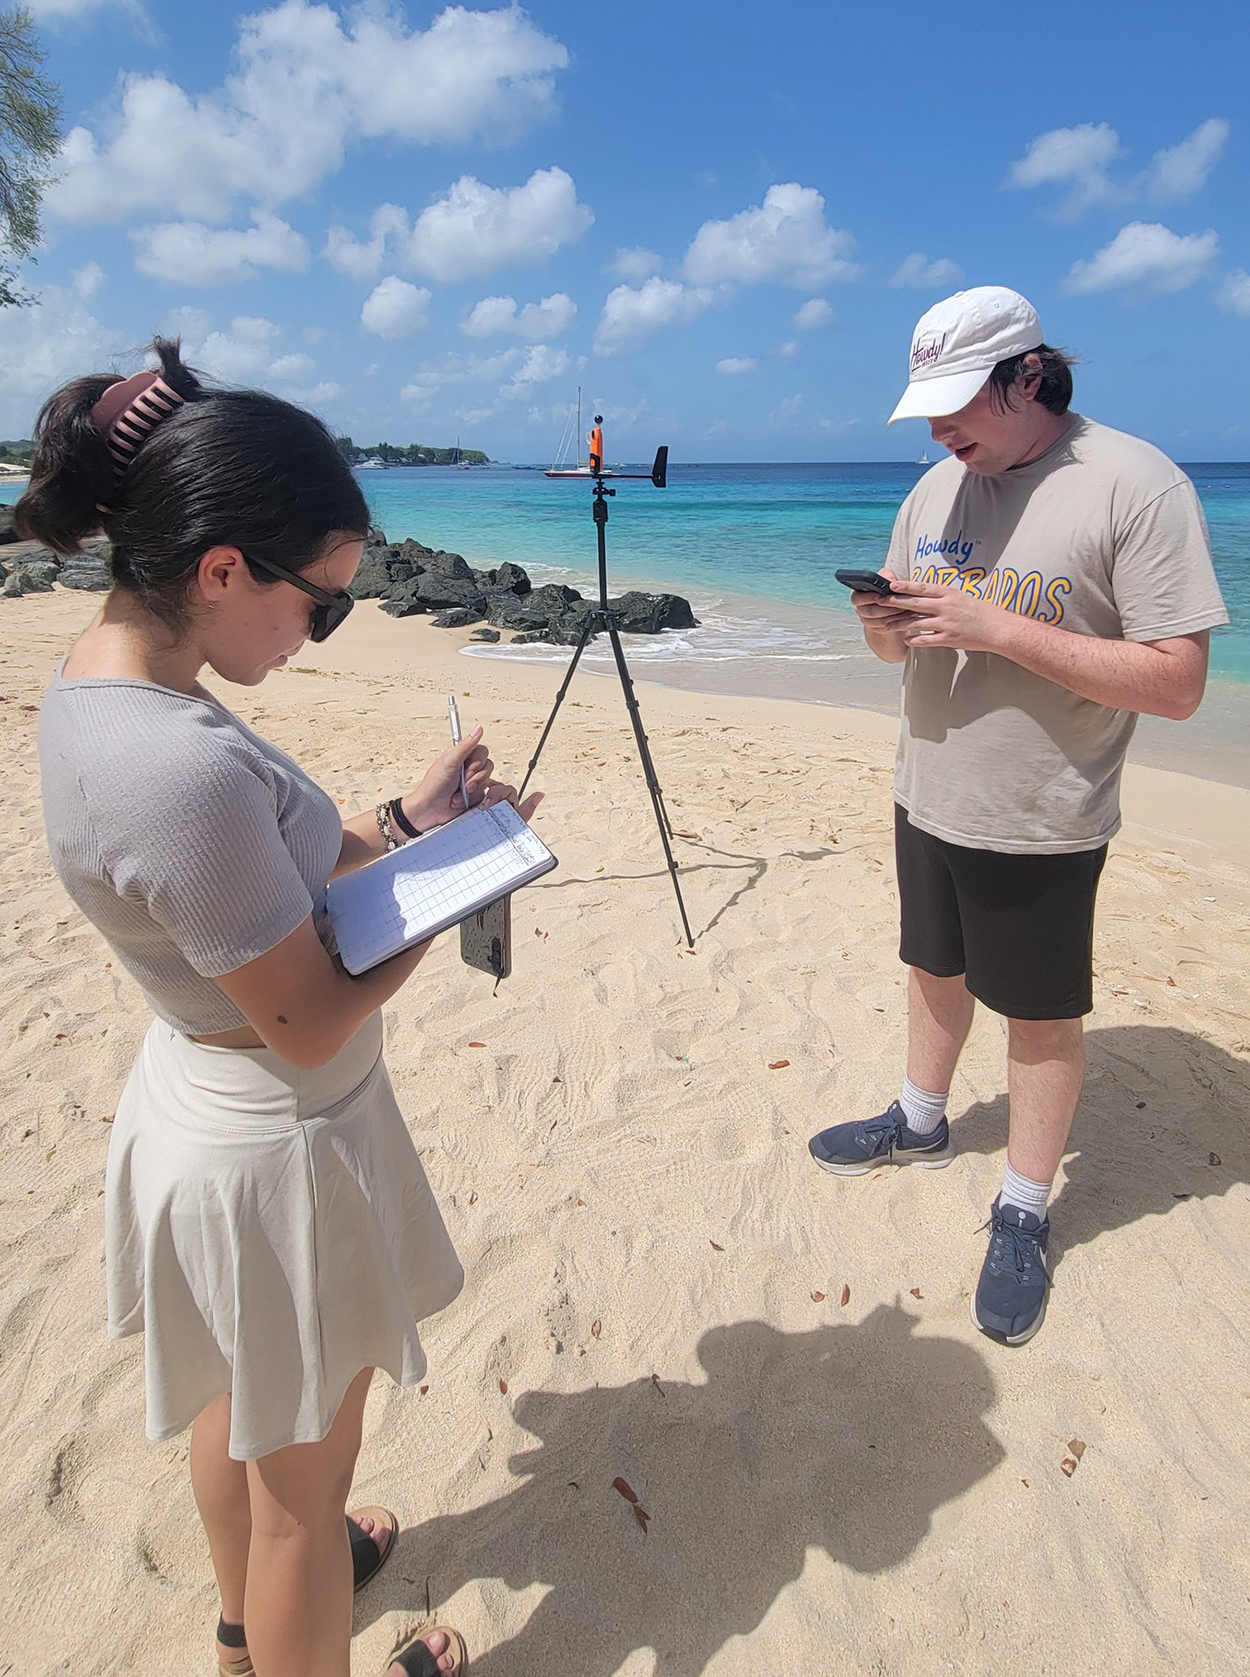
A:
<point x="957" y="345"/>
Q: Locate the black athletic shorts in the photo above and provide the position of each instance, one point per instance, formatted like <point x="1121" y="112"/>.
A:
<point x="1019" y="928"/>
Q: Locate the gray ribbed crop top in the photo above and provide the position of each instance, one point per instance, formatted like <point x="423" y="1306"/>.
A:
<point x="191" y="843"/>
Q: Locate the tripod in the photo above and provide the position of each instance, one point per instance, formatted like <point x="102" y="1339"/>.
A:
<point x="603" y="617"/>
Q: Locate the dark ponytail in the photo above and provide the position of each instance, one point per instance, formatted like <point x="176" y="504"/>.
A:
<point x="228" y="468"/>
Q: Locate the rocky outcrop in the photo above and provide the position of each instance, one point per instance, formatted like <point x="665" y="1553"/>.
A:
<point x="409" y="579"/>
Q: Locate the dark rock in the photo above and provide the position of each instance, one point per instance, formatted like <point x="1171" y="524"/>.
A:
<point x="534" y="610"/>
<point x="438" y="589"/>
<point x="647" y="614"/>
<point x="484" y="635"/>
<point x="513" y="578"/>
<point x="373" y="577"/>
<point x="7" y="532"/>
<point x="458" y="617"/>
<point x="88" y="569"/>
<point x="566" y="630"/>
<point x="402" y="607"/>
<point x="450" y="565"/>
<point x="31" y="576"/>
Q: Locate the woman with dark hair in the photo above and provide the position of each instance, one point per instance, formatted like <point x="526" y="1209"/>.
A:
<point x="268" y="1225"/>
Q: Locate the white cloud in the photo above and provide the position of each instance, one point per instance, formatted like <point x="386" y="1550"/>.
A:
<point x="813" y="314"/>
<point x="1148" y="254"/>
<point x="189" y="253"/>
<point x="635" y="264"/>
<point x="785" y="240"/>
<point x="789" y="349"/>
<point x="1077" y="157"/>
<point x="785" y="413"/>
<point x="291" y="368"/>
<point x="734" y="364"/>
<point x="1234" y="294"/>
<point x="361" y="258"/>
<point x="432" y="377"/>
<point x="88" y="279"/>
<point x="629" y="315"/>
<point x="1182" y="169"/>
<point x="395" y="309"/>
<point x="43" y="346"/>
<point x="308" y="84"/>
<point x="1081" y="157"/>
<point x="918" y="272"/>
<point x="477" y="228"/>
<point x="249" y="352"/>
<point x="535" y="322"/>
<point x="542" y="364"/>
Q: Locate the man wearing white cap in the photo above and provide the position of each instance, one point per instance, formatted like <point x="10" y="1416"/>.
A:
<point x="1050" y="581"/>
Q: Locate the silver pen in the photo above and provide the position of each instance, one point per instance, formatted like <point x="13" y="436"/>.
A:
<point x="454" y="717"/>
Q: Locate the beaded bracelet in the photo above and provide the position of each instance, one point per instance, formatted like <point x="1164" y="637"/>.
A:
<point x="382" y="815"/>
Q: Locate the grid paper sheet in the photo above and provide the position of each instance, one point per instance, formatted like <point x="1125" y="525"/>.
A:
<point x="431" y="884"/>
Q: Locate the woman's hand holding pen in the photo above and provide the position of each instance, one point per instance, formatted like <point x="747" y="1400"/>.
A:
<point x="438" y="798"/>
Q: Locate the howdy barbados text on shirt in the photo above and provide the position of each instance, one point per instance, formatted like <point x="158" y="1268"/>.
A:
<point x="1101" y="535"/>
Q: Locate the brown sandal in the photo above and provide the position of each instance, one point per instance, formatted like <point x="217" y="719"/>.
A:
<point x="415" y="1659"/>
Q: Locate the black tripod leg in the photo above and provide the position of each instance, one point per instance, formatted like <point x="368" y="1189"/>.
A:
<point x="649" y="774"/>
<point x="587" y="631"/>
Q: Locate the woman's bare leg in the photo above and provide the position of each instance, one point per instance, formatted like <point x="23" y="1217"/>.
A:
<point x="220" y="1487"/>
<point x="299" y="1575"/>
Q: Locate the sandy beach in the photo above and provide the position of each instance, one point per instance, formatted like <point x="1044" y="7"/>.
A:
<point x="839" y="1474"/>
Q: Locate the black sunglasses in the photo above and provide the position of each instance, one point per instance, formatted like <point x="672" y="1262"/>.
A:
<point x="331" y="608"/>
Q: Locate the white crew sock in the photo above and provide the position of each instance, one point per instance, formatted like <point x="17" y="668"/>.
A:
<point x="1017" y="1190"/>
<point x="922" y="1110"/>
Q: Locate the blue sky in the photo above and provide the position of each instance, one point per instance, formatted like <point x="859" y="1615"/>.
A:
<point x="722" y="224"/>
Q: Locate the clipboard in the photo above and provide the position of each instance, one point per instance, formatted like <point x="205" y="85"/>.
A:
<point x="430" y="884"/>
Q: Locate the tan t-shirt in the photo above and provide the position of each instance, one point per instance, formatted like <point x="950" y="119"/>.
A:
<point x="1102" y="535"/>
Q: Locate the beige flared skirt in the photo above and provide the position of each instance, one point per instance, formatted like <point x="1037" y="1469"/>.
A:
<point x="271" y="1232"/>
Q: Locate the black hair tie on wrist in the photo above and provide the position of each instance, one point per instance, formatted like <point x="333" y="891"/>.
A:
<point x="401" y="820"/>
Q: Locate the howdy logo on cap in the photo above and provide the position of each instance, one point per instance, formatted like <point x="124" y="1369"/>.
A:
<point x="927" y="351"/>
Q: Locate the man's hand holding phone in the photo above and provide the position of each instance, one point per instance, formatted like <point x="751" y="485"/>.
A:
<point x="869" y="592"/>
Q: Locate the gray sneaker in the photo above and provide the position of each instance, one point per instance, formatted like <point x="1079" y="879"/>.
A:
<point x="856" y="1148"/>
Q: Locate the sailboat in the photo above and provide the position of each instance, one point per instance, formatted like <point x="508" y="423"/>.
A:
<point x="924" y="458"/>
<point x="572" y="438"/>
<point x="461" y="465"/>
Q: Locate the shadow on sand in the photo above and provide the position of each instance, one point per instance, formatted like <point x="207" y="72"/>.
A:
<point x="1161" y="1120"/>
<point x="846" y="1438"/>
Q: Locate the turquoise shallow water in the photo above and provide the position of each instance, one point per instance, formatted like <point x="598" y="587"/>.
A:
<point x="764" y="534"/>
<point x="753" y="546"/>
<point x="768" y="535"/>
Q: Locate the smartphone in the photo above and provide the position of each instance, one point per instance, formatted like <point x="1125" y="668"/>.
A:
<point x="486" y="939"/>
<point x="865" y="582"/>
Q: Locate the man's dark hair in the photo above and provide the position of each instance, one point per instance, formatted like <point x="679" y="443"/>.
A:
<point x="1055" y="390"/>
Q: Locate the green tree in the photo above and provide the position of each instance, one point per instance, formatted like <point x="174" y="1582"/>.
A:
<point x="30" y="136"/>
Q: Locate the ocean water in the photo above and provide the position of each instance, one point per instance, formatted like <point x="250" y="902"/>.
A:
<point x="754" y="547"/>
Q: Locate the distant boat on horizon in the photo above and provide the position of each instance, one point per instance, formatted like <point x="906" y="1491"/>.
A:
<point x="924" y="458"/>
<point x="372" y="464"/>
